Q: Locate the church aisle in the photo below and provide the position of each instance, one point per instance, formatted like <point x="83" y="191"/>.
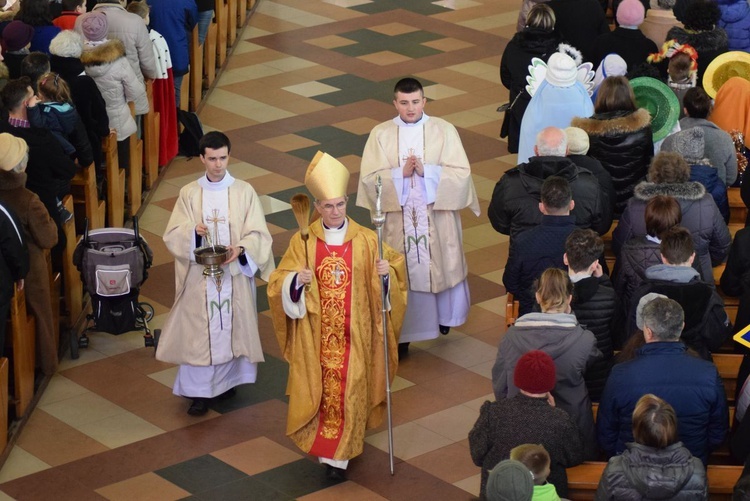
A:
<point x="304" y="76"/>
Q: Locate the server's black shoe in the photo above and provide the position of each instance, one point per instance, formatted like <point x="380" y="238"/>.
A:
<point x="444" y="329"/>
<point x="199" y="407"/>
<point x="333" y="473"/>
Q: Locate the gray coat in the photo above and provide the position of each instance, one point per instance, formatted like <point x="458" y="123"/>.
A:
<point x="719" y="148"/>
<point x="571" y="347"/>
<point x="642" y="472"/>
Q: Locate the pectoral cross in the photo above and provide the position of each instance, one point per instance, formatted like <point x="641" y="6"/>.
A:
<point x="338" y="274"/>
<point x="215" y="219"/>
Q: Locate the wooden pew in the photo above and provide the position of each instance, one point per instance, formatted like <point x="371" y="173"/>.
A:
<point x="135" y="169"/>
<point x="737" y="209"/>
<point x="209" y="55"/>
<point x="150" y="139"/>
<point x="22" y="336"/>
<point x="241" y="13"/>
<point x="4" y="382"/>
<point x="584" y="479"/>
<point x="231" y="22"/>
<point x="728" y="365"/>
<point x="86" y="197"/>
<point x="55" y="285"/>
<point x="511" y="310"/>
<point x="196" y="71"/>
<point x="72" y="279"/>
<point x="115" y="183"/>
<point x="222" y="24"/>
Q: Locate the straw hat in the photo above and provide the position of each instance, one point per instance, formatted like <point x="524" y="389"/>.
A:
<point x="326" y="177"/>
<point x="12" y="151"/>
<point x="660" y="101"/>
<point x="724" y="67"/>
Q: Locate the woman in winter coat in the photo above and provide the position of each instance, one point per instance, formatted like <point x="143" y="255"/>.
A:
<point x="735" y="20"/>
<point x="656" y="465"/>
<point x="537" y="39"/>
<point x="36" y="13"/>
<point x="556" y="332"/>
<point x="619" y="136"/>
<point x="40" y="232"/>
<point x="662" y="213"/>
<point x="669" y="174"/>
<point x="702" y="32"/>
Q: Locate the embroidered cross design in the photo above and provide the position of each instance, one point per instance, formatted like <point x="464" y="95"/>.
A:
<point x="215" y="220"/>
<point x="338" y="274"/>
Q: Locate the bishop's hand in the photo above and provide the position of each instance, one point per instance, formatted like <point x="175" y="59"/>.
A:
<point x="382" y="267"/>
<point x="304" y="276"/>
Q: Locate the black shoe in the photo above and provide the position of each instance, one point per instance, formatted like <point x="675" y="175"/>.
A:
<point x="65" y="215"/>
<point x="444" y="329"/>
<point x="227" y="394"/>
<point x="199" y="407"/>
<point x="403" y="350"/>
<point x="333" y="473"/>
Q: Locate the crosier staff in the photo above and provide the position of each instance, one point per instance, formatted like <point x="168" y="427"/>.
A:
<point x="378" y="220"/>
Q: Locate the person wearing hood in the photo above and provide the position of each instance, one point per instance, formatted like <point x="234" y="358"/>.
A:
<point x="663" y="366"/>
<point x="514" y="206"/>
<point x="701" y="31"/>
<point x="626" y="40"/>
<point x="537" y="39"/>
<point x="735" y="20"/>
<point x="669" y="174"/>
<point x="656" y="465"/>
<point x="556" y="332"/>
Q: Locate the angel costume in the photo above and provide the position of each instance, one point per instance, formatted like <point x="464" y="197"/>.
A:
<point x="422" y="216"/>
<point x="560" y="90"/>
<point x="212" y="329"/>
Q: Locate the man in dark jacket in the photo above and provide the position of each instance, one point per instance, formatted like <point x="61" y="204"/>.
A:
<point x="515" y="201"/>
<point x="14" y="264"/>
<point x="595" y="303"/>
<point x="543" y="246"/>
<point x="663" y="367"/>
<point x="706" y="323"/>
<point x="578" y="147"/>
<point x="580" y="22"/>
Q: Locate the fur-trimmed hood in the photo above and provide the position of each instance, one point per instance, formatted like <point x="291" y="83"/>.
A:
<point x="613" y="124"/>
<point x="681" y="191"/>
<point x="106" y="53"/>
<point x="67" y="43"/>
<point x="715" y="39"/>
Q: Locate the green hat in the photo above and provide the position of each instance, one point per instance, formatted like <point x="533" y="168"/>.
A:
<point x="660" y="101"/>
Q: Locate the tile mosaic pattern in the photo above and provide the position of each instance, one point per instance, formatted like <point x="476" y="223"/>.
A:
<point x="303" y="76"/>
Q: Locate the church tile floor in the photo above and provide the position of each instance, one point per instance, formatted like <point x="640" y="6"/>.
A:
<point x="303" y="76"/>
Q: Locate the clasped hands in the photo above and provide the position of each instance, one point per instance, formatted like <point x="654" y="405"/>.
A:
<point x="234" y="250"/>
<point x="305" y="275"/>
<point x="413" y="164"/>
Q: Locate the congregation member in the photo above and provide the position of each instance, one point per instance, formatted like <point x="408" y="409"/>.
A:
<point x="529" y="417"/>
<point x="71" y="9"/>
<point x="36" y="13"/>
<point x="514" y="206"/>
<point x="542" y="246"/>
<point x="735" y="279"/>
<point x="595" y="303"/>
<point x="735" y="20"/>
<point x="669" y="174"/>
<point x="731" y="109"/>
<point x="326" y="301"/>
<point x="16" y="40"/>
<point x="33" y="66"/>
<point x="572" y="347"/>
<point x="578" y="148"/>
<point x="707" y="326"/>
<point x="510" y="479"/>
<point x="14" y="264"/>
<point x="539" y="39"/>
<point x="656" y="465"/>
<point x="620" y="137"/>
<point x="579" y="22"/>
<point x="626" y="39"/>
<point x="426" y="182"/>
<point x="640" y="253"/>
<point x="537" y="460"/>
<point x="702" y="32"/>
<point x="212" y="330"/>
<point x="40" y="233"/>
<point x="659" y="20"/>
<point x="662" y="366"/>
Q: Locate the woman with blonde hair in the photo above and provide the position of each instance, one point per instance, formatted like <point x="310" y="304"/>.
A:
<point x="556" y="332"/>
<point x="656" y="465"/>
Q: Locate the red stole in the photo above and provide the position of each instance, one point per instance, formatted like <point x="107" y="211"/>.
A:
<point x="333" y="271"/>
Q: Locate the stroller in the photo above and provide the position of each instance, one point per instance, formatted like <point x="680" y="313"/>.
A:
<point x="113" y="263"/>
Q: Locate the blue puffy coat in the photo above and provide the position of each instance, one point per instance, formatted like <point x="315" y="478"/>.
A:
<point x="709" y="178"/>
<point x="735" y="19"/>
<point x="691" y="385"/>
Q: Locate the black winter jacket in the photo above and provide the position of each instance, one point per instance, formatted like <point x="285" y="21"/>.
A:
<point x="635" y="257"/>
<point x="597" y="309"/>
<point x="515" y="201"/>
<point x="735" y="281"/>
<point x="643" y="472"/>
<point x="631" y="45"/>
<point x="605" y="182"/>
<point x="514" y="68"/>
<point x="699" y="215"/>
<point x="709" y="44"/>
<point x="580" y="22"/>
<point x="14" y="257"/>
<point x="623" y="143"/>
<point x="89" y="102"/>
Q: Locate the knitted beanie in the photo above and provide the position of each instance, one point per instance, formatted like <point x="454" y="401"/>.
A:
<point x="17" y="35"/>
<point x="535" y="372"/>
<point x="578" y="141"/>
<point x="690" y="143"/>
<point x="561" y="70"/>
<point x="630" y="13"/>
<point x="12" y="151"/>
<point x="510" y="480"/>
<point x="94" y="26"/>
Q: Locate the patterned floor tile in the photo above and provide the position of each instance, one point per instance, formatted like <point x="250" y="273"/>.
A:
<point x="146" y="487"/>
<point x="200" y="474"/>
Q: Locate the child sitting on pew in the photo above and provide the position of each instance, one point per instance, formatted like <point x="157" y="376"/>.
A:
<point x="537" y="460"/>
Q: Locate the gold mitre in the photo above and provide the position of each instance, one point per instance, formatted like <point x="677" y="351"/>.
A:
<point x="326" y="177"/>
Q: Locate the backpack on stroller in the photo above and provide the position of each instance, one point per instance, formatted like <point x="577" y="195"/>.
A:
<point x="113" y="263"/>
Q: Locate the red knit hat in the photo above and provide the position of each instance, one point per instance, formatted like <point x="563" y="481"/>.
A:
<point x="535" y="372"/>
